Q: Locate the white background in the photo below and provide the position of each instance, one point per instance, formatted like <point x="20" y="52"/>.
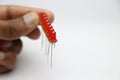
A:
<point x="88" y="46"/>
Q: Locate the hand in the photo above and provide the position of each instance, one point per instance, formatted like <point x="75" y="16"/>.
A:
<point x="17" y="21"/>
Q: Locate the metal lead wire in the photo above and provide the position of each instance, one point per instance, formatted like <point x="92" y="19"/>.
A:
<point x="48" y="48"/>
<point x="54" y="45"/>
<point x="51" y="54"/>
<point x="48" y="52"/>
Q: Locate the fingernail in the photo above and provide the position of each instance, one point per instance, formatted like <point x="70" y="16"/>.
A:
<point x="2" y="55"/>
<point x="31" y="18"/>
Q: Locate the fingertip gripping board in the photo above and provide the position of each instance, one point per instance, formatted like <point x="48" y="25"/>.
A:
<point x="47" y="28"/>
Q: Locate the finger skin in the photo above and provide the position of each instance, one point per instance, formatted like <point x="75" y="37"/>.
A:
<point x="14" y="11"/>
<point x="8" y="63"/>
<point x="12" y="14"/>
<point x="34" y="34"/>
<point x="21" y="26"/>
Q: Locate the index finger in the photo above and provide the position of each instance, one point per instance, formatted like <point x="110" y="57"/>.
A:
<point x="14" y="11"/>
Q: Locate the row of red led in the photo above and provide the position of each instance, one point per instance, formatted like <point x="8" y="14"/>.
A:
<point x="47" y="27"/>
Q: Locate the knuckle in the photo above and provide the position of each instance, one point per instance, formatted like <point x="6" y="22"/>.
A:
<point x="12" y="30"/>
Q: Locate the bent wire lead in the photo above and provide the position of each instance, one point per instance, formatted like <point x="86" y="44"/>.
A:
<point x="50" y="35"/>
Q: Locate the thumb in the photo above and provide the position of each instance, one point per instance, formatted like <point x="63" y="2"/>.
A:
<point x="15" y="28"/>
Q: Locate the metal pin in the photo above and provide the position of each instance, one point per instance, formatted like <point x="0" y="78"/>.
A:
<point x="48" y="48"/>
<point x="42" y="41"/>
<point x="54" y="45"/>
<point x="51" y="54"/>
<point x="48" y="52"/>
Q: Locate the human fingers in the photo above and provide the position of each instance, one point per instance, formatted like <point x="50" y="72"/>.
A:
<point x="34" y="34"/>
<point x="8" y="54"/>
<point x="14" y="11"/>
<point x="21" y="26"/>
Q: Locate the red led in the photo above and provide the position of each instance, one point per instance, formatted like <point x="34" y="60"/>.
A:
<point x="47" y="28"/>
<point x="53" y="36"/>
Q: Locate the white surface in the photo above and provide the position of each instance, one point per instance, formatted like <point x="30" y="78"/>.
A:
<point x="88" y="45"/>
